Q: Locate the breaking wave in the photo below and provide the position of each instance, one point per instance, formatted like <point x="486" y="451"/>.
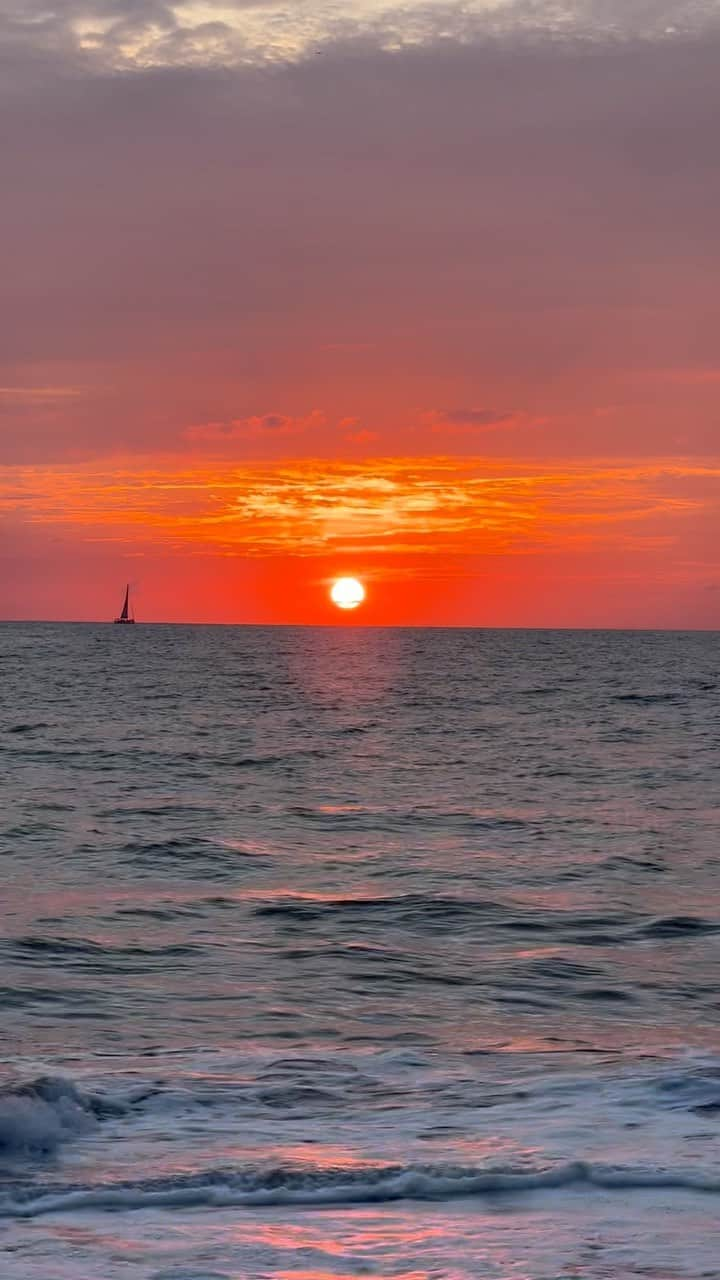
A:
<point x="287" y="1186"/>
<point x="35" y="1118"/>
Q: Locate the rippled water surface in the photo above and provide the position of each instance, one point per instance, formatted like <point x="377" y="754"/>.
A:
<point x="349" y="952"/>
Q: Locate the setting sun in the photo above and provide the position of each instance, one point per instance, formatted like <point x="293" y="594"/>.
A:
<point x="347" y="593"/>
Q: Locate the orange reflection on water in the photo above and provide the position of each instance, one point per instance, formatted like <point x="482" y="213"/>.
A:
<point x="79" y="1237"/>
<point x="359" y="1240"/>
<point x="364" y="893"/>
<point x="322" y="1274"/>
<point x="332" y="1158"/>
<point x="341" y="808"/>
<point x="360" y="1228"/>
<point x="535" y="953"/>
<point x="348" y="672"/>
<point x="325" y="1157"/>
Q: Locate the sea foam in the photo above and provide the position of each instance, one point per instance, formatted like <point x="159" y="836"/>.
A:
<point x="281" y="1186"/>
<point x="36" y="1117"/>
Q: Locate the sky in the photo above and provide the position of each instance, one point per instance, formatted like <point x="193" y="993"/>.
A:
<point x="425" y="294"/>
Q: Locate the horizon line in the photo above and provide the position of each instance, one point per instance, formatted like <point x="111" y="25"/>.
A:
<point x="366" y="626"/>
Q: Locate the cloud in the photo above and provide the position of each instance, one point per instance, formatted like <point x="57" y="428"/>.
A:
<point x="264" y="426"/>
<point x="105" y="35"/>
<point x="353" y="433"/>
<point x="24" y="394"/>
<point x="476" y="222"/>
<point x="438" y="506"/>
<point x="469" y="423"/>
<point x="361" y="436"/>
<point x="473" y="418"/>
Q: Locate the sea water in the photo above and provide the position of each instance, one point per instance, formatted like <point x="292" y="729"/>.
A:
<point x="358" y="952"/>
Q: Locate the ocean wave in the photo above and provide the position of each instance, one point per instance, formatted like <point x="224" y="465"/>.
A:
<point x="679" y="927"/>
<point x="408" y="908"/>
<point x="371" y="1185"/>
<point x="647" y="699"/>
<point x="27" y="727"/>
<point x="194" y="854"/>
<point x="88" y="956"/>
<point x="35" y="1118"/>
<point x="429" y="912"/>
<point x="387" y="818"/>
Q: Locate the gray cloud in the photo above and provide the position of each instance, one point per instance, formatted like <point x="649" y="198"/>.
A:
<point x="474" y="417"/>
<point x="101" y="35"/>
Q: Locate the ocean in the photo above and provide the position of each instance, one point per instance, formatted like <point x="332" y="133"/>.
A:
<point x="342" y="952"/>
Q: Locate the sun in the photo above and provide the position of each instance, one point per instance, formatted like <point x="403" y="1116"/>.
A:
<point x="347" y="593"/>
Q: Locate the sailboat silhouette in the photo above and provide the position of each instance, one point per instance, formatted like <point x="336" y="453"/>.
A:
<point x="125" y="615"/>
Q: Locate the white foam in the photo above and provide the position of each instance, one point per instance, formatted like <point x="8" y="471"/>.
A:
<point x="38" y="1116"/>
<point x="290" y="1187"/>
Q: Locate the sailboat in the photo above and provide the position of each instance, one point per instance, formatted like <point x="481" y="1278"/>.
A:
<point x="125" y="615"/>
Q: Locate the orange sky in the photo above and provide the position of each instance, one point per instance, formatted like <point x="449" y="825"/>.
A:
<point x="435" y="539"/>
<point x="430" y="300"/>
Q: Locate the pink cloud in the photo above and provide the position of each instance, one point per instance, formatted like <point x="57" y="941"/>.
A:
<point x="362" y="436"/>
